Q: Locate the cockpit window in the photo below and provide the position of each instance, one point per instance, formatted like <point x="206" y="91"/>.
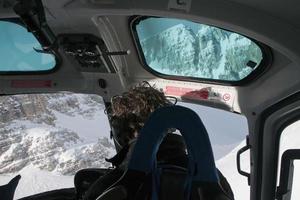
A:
<point x="47" y="138"/>
<point x="185" y="49"/>
<point x="20" y="51"/>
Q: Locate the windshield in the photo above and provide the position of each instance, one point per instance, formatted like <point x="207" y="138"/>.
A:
<point x="47" y="138"/>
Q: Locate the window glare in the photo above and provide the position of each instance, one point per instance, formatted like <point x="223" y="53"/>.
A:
<point x="187" y="49"/>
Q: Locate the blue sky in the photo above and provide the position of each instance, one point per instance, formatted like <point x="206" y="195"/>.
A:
<point x="16" y="50"/>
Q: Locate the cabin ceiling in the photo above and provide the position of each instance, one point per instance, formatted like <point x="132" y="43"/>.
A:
<point x="273" y="22"/>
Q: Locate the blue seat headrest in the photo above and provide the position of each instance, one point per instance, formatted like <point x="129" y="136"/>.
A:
<point x="201" y="161"/>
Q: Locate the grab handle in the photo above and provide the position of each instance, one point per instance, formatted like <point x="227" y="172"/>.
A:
<point x="238" y="160"/>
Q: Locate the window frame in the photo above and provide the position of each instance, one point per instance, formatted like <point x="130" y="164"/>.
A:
<point x="293" y="118"/>
<point x="285" y="113"/>
<point x="287" y="174"/>
<point x="54" y="52"/>
<point x="264" y="65"/>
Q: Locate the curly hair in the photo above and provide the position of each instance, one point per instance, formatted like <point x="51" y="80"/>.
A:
<point x="136" y="105"/>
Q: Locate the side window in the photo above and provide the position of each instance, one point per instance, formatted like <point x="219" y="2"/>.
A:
<point x="19" y="51"/>
<point x="185" y="49"/>
<point x="290" y="140"/>
<point x="227" y="132"/>
<point x="47" y="138"/>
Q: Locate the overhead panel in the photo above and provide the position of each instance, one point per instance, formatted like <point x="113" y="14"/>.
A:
<point x="89" y="51"/>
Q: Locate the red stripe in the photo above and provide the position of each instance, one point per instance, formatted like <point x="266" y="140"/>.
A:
<point x="187" y="92"/>
<point x="31" y="84"/>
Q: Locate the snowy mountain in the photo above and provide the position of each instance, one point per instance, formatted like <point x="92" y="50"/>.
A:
<point x="164" y="50"/>
<point x="34" y="181"/>
<point x="35" y="131"/>
<point x="210" y="53"/>
<point x="47" y="138"/>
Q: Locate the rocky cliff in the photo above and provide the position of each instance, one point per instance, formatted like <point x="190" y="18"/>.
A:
<point x="207" y="53"/>
<point x="29" y="134"/>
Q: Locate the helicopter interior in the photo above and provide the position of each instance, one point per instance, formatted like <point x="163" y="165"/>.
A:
<point x="232" y="55"/>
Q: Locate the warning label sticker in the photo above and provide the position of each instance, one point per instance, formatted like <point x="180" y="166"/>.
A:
<point x="187" y="92"/>
<point x="226" y="97"/>
<point x="198" y="91"/>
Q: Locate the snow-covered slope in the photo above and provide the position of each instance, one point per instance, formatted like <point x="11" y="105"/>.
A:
<point x="47" y="138"/>
<point x="226" y="130"/>
<point x="290" y="139"/>
<point x="227" y="165"/>
<point x="34" y="181"/>
<point x="65" y="133"/>
<point x="67" y="139"/>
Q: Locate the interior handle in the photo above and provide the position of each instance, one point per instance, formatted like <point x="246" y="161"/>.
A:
<point x="238" y="160"/>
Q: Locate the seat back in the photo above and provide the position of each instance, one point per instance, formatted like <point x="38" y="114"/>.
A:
<point x="7" y="191"/>
<point x="172" y="178"/>
<point x="172" y="183"/>
<point x="201" y="161"/>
